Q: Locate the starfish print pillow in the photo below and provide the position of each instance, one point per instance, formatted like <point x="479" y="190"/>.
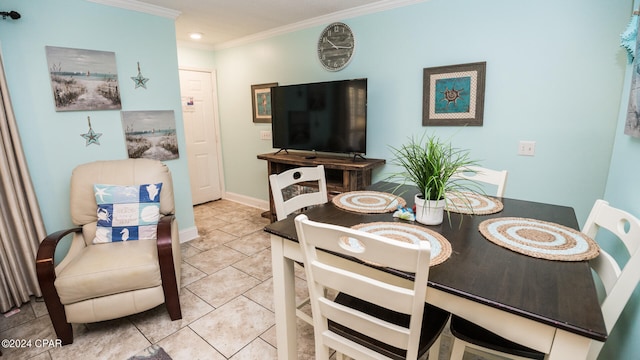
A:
<point x="127" y="213"/>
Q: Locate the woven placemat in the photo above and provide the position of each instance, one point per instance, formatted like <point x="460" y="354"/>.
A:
<point x="440" y="247"/>
<point x="540" y="239"/>
<point x="472" y="203"/>
<point x="368" y="202"/>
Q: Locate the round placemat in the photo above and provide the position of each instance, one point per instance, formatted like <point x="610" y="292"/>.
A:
<point x="474" y="204"/>
<point x="540" y="239"/>
<point x="440" y="247"/>
<point x="369" y="202"/>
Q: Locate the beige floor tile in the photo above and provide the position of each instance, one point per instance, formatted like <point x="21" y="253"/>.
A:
<point x="114" y="339"/>
<point x="216" y="259"/>
<point x="188" y="250"/>
<point x="207" y="224"/>
<point x="190" y="274"/>
<point x="257" y="265"/>
<point x="156" y="324"/>
<point x="304" y="340"/>
<point x="212" y="240"/>
<point x="186" y="344"/>
<point x="222" y="286"/>
<point x="262" y="294"/>
<point x="36" y="329"/>
<point x="232" y="326"/>
<point x="257" y="350"/>
<point x="251" y="243"/>
<point x="241" y="228"/>
<point x="23" y="315"/>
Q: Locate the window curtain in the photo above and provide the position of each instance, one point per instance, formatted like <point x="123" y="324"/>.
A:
<point x="21" y="226"/>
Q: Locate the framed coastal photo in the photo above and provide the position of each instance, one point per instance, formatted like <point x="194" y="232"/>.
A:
<point x="454" y="95"/>
<point x="150" y="134"/>
<point x="261" y="102"/>
<point x="83" y="79"/>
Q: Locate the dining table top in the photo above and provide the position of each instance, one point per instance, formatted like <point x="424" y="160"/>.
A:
<point x="557" y="293"/>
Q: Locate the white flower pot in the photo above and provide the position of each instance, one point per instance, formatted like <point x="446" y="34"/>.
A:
<point x="429" y="212"/>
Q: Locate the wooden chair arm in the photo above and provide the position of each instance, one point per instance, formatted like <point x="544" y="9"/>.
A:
<point x="44" y="259"/>
<point x="167" y="267"/>
<point x="45" y="269"/>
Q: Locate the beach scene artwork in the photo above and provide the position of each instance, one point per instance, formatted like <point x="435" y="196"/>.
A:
<point x="83" y="79"/>
<point x="150" y="134"/>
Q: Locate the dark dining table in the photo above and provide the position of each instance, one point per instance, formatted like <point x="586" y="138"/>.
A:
<point x="548" y="305"/>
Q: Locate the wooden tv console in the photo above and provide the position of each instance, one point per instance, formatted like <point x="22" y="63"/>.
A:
<point x="342" y="173"/>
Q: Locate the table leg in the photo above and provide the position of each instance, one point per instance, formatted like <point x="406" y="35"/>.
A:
<point x="284" y="300"/>
<point x="567" y="345"/>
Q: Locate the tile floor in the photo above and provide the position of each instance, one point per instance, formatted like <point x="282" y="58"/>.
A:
<point x="226" y="299"/>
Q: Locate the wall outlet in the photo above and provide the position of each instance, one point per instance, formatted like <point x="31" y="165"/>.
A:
<point x="265" y="135"/>
<point x="527" y="148"/>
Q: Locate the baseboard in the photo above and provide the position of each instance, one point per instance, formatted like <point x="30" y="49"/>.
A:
<point x="188" y="234"/>
<point x="246" y="200"/>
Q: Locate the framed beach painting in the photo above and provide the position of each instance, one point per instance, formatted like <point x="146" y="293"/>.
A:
<point x="454" y="95"/>
<point x="261" y="102"/>
<point x="83" y="79"/>
<point x="150" y="134"/>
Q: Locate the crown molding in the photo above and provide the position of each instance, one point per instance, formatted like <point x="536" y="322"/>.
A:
<point x="141" y="7"/>
<point x="320" y="20"/>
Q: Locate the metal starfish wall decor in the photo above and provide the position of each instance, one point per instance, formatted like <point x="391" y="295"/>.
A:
<point x="91" y="137"/>
<point x="140" y="80"/>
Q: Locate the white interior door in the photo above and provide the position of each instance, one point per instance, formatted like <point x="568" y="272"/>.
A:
<point x="201" y="133"/>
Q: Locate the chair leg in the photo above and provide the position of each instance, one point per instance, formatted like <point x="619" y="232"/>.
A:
<point x="58" y="316"/>
<point x="434" y="350"/>
<point x="457" y="349"/>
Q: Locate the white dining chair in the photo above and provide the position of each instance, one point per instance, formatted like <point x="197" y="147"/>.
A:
<point x="310" y="175"/>
<point x="298" y="176"/>
<point x="484" y="175"/>
<point x="373" y="316"/>
<point x="618" y="283"/>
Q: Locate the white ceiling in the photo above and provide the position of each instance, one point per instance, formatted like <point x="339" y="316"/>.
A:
<point x="227" y="22"/>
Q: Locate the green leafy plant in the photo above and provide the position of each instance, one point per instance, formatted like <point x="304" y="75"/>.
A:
<point x="430" y="164"/>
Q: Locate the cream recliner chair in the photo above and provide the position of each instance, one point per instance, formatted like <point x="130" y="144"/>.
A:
<point x="103" y="281"/>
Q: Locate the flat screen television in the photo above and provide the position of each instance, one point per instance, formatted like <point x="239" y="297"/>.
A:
<point x="324" y="116"/>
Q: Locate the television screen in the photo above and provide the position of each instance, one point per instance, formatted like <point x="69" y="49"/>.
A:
<point x="325" y="116"/>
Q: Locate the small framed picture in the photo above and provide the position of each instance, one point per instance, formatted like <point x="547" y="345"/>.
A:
<point x="454" y="95"/>
<point x="261" y="102"/>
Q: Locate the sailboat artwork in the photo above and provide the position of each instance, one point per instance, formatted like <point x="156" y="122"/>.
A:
<point x="83" y="79"/>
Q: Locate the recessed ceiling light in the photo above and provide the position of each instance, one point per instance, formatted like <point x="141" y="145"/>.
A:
<point x="195" y="36"/>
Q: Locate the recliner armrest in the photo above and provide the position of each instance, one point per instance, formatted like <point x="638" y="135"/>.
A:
<point x="45" y="269"/>
<point x="47" y="249"/>
<point x="167" y="267"/>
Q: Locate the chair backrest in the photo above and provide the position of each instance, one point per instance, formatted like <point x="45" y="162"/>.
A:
<point x="619" y="283"/>
<point x="295" y="176"/>
<point x="484" y="175"/>
<point x="115" y="172"/>
<point x="323" y="273"/>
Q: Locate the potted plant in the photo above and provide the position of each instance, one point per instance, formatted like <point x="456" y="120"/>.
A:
<point x="430" y="164"/>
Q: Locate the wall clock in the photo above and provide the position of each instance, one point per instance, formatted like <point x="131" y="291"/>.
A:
<point x="335" y="46"/>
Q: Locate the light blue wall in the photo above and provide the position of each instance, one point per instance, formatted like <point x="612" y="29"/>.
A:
<point x="51" y="139"/>
<point x="555" y="73"/>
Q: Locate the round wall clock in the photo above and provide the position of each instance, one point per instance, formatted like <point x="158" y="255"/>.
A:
<point x="335" y="46"/>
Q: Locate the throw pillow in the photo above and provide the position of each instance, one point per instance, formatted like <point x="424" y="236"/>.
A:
<point x="127" y="212"/>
